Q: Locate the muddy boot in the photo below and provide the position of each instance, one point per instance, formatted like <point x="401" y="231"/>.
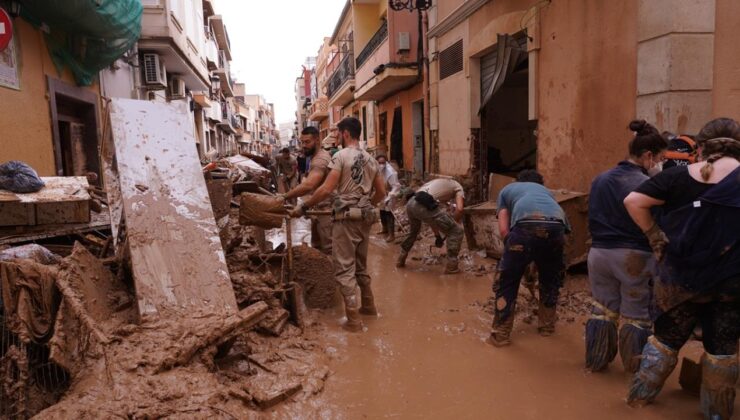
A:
<point x="353" y="324"/>
<point x="658" y="361"/>
<point x="368" y="301"/>
<point x="601" y="343"/>
<point x="501" y="331"/>
<point x="719" y="375"/>
<point x="452" y="266"/>
<point x="391" y="230"/>
<point x="546" y="320"/>
<point x="401" y="261"/>
<point x="632" y="338"/>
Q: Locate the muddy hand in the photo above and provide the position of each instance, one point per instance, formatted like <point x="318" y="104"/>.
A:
<point x="658" y="241"/>
<point x="298" y="211"/>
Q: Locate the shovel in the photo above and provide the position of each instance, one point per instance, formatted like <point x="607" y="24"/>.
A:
<point x="265" y="211"/>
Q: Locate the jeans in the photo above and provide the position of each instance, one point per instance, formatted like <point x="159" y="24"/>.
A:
<point x="541" y="243"/>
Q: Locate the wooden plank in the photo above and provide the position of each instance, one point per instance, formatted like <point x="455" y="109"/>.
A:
<point x="178" y="265"/>
<point x="18" y="234"/>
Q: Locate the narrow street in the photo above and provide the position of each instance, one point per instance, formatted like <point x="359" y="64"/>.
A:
<point x="425" y="356"/>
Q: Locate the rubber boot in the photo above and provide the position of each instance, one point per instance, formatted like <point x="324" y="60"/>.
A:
<point x="601" y="344"/>
<point x="546" y="320"/>
<point x="632" y="339"/>
<point x="719" y="375"/>
<point x="353" y="324"/>
<point x="501" y="330"/>
<point x="391" y="229"/>
<point x="658" y="361"/>
<point x="452" y="266"/>
<point x="401" y="261"/>
<point x="368" y="301"/>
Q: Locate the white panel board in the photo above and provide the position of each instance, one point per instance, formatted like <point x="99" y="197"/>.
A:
<point x="178" y="263"/>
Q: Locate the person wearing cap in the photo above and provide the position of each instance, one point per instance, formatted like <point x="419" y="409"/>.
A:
<point x="387" y="219"/>
<point x="681" y="151"/>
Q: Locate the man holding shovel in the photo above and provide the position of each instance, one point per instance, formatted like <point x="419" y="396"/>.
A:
<point x="317" y="162"/>
<point x="359" y="187"/>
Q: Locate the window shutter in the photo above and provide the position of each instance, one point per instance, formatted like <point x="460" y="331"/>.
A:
<point x="451" y="60"/>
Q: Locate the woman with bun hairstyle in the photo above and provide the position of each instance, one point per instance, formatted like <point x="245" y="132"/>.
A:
<point x="620" y="263"/>
<point x="697" y="245"/>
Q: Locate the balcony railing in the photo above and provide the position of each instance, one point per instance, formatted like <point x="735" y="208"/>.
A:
<point x="373" y="44"/>
<point x="345" y="71"/>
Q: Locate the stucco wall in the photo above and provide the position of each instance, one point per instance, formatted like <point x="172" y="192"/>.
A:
<point x="726" y="89"/>
<point x="587" y="88"/>
<point x="404" y="100"/>
<point x="25" y="115"/>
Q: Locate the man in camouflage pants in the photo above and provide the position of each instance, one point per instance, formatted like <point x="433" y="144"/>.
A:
<point x="424" y="207"/>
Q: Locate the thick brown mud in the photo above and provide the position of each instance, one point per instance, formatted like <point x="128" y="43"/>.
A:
<point x="425" y="355"/>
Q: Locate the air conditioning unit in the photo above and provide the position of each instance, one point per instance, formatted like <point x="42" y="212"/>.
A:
<point x="177" y="88"/>
<point x="404" y="41"/>
<point x="154" y="71"/>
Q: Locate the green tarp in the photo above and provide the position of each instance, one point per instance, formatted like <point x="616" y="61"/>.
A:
<point x="86" y="35"/>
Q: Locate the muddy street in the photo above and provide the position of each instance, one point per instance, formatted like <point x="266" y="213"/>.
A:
<point x="425" y="356"/>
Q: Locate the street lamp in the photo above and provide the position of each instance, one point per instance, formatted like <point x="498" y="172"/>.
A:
<point x="409" y="5"/>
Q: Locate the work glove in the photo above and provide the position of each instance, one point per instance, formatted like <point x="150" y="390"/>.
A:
<point x="658" y="241"/>
<point x="440" y="241"/>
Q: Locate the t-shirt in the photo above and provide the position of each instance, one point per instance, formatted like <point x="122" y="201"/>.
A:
<point x="675" y="186"/>
<point x="610" y="225"/>
<point x="357" y="172"/>
<point x="443" y="189"/>
<point x="530" y="201"/>
<point x="320" y="162"/>
<point x="286" y="166"/>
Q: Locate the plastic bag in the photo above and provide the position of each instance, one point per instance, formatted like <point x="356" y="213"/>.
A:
<point x="18" y="177"/>
<point x="33" y="252"/>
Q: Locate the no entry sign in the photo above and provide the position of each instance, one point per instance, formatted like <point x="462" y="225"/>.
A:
<point x="6" y="29"/>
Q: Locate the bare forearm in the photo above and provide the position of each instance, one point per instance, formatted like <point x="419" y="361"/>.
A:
<point x="299" y="191"/>
<point x="641" y="216"/>
<point x="320" y="195"/>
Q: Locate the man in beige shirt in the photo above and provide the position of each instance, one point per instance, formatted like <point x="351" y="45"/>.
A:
<point x="424" y="207"/>
<point x="318" y="161"/>
<point x="287" y="170"/>
<point x="359" y="187"/>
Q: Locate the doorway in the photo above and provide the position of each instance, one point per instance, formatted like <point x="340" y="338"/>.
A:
<point x="74" y="114"/>
<point x="508" y="143"/>
<point x="417" y="112"/>
<point x="397" y="137"/>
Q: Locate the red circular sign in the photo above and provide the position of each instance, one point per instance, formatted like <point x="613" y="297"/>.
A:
<point x="6" y="29"/>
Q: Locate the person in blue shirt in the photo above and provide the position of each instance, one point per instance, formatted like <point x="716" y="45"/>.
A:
<point x="533" y="226"/>
<point x="621" y="266"/>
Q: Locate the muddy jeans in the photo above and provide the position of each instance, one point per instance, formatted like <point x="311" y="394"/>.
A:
<point x="437" y="218"/>
<point x="541" y="243"/>
<point x="350" y="240"/>
<point x="387" y="221"/>
<point x="321" y="233"/>
<point x="718" y="314"/>
<point x="622" y="282"/>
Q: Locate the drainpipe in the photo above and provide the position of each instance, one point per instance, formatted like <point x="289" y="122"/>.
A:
<point x="136" y="72"/>
<point x="425" y="89"/>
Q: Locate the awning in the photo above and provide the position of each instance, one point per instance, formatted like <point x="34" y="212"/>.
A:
<point x="496" y="67"/>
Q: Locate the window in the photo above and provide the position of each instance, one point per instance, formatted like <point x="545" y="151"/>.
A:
<point x="451" y="60"/>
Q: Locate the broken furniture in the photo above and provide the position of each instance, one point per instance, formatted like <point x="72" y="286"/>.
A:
<point x="64" y="200"/>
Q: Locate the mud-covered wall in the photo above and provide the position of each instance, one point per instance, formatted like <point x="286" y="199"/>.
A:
<point x="25" y="115"/>
<point x="586" y="94"/>
<point x="726" y="89"/>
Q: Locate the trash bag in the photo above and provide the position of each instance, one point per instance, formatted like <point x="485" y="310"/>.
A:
<point x="18" y="177"/>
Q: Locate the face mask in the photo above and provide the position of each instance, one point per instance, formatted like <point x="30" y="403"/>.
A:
<point x="381" y="167"/>
<point x="655" y="170"/>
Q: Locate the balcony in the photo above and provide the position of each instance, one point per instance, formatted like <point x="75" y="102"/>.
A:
<point x="372" y="45"/>
<point x="228" y="121"/>
<point x="211" y="50"/>
<point x="202" y="99"/>
<point x="214" y="112"/>
<point x="222" y="37"/>
<point x="224" y="73"/>
<point x="342" y="82"/>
